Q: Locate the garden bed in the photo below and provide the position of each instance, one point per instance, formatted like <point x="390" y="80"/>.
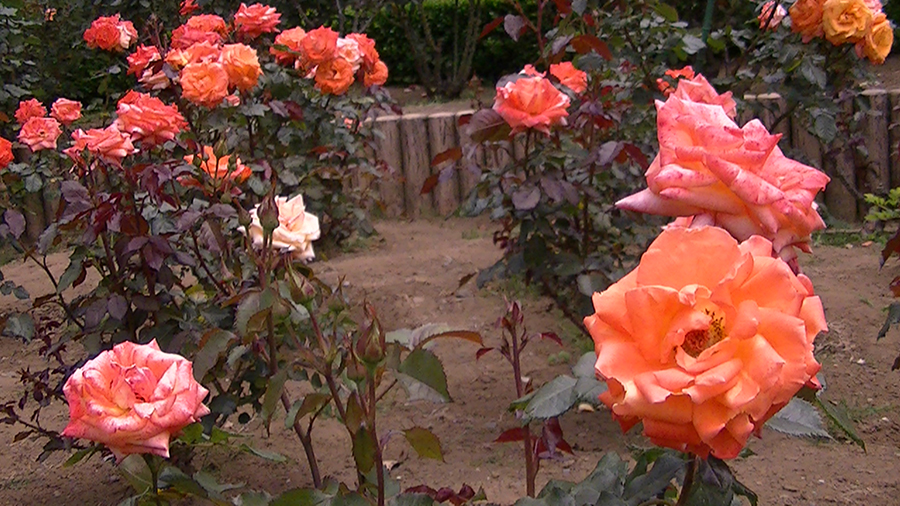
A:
<point x="411" y="273"/>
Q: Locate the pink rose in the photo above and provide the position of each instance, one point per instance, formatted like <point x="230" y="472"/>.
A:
<point x="109" y="144"/>
<point x="734" y="177"/>
<point x="531" y="102"/>
<point x="148" y="119"/>
<point x="769" y="20"/>
<point x="698" y="89"/>
<point x="255" y="20"/>
<point x="66" y="111"/>
<point x="40" y="133"/>
<point x="133" y="399"/>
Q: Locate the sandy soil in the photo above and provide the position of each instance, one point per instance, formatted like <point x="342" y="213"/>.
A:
<point x="411" y="274"/>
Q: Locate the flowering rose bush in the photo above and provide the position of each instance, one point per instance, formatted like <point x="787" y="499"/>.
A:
<point x="728" y="341"/>
<point x="133" y="399"/>
<point x="531" y="102"/>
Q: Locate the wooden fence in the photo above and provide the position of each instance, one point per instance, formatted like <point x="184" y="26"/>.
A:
<point x="411" y="141"/>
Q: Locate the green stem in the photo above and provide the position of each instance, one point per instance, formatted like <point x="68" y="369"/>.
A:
<point x="689" y="474"/>
<point x="153" y="463"/>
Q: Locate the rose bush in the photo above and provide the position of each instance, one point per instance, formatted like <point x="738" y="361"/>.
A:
<point x="133" y="399"/>
<point x="705" y="340"/>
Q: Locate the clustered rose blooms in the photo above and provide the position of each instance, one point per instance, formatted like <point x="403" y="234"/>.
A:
<point x="734" y="177"/>
<point x="255" y="20"/>
<point x="296" y="231"/>
<point x="40" y="133"/>
<point x="6" y="154"/>
<point x="66" y="111"/>
<point x="858" y="22"/>
<point x="569" y="76"/>
<point x="664" y="86"/>
<point x="108" y="144"/>
<point x="31" y="108"/>
<point x="531" y="102"/>
<point x="148" y="119"/>
<point x="705" y="340"/>
<point x="133" y="399"/>
<point x="769" y="20"/>
<point x="217" y="168"/>
<point x="110" y="33"/>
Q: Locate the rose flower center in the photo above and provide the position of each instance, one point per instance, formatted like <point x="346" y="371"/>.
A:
<point x="696" y="341"/>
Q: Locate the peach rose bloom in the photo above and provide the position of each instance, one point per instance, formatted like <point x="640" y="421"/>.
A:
<point x="348" y="49"/>
<point x="569" y="76"/>
<point x="666" y="88"/>
<point x="377" y="76"/>
<point x="698" y="89"/>
<point x="40" y="133"/>
<point x="291" y="39"/>
<point x="334" y="77"/>
<point x="141" y="58"/>
<point x="204" y="83"/>
<point x="877" y="43"/>
<point x="148" y="119"/>
<point x="66" y="111"/>
<point x="256" y="20"/>
<point x="531" y="102"/>
<point x="297" y="229"/>
<point x="184" y="37"/>
<point x="31" y="108"/>
<point x="768" y="20"/>
<point x="367" y="48"/>
<point x="127" y="34"/>
<point x="133" y="399"/>
<point x="705" y="340"/>
<point x="845" y="20"/>
<point x="806" y="19"/>
<point x="208" y="23"/>
<point x="6" y="154"/>
<point x="217" y="168"/>
<point x="319" y="46"/>
<point x="736" y="177"/>
<point x="109" y="144"/>
<point x="242" y="65"/>
<point x="195" y="53"/>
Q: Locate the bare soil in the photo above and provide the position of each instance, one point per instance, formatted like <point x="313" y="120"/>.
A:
<point x="411" y="274"/>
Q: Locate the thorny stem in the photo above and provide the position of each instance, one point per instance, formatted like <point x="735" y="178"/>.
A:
<point x="689" y="473"/>
<point x="306" y="441"/>
<point x="379" y="462"/>
<point x="520" y="391"/>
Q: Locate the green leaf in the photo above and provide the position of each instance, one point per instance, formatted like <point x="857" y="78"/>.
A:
<point x="584" y="368"/>
<point x="692" y="44"/>
<point x="81" y="455"/>
<point x="72" y="272"/>
<point x="174" y="478"/>
<point x="192" y="434"/>
<point x="425" y="443"/>
<point x="300" y="497"/>
<point x="253" y="499"/>
<point x="553" y="399"/>
<point x="893" y="317"/>
<point x="364" y="450"/>
<point x="20" y="325"/>
<point x="265" y="454"/>
<point x="253" y="306"/>
<point x="213" y="487"/>
<point x="799" y="418"/>
<point x="813" y="74"/>
<point x="136" y="472"/>
<point x="422" y="376"/>
<point x="713" y="484"/>
<point x="649" y="485"/>
<point x="351" y="498"/>
<point x="274" y="387"/>
<point x="838" y="415"/>
<point x="411" y="500"/>
<point x="825" y="127"/>
<point x="310" y="404"/>
<point x="667" y="12"/>
<point x="216" y="342"/>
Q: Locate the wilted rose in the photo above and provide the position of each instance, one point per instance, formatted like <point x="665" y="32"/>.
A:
<point x="738" y="176"/>
<point x="109" y="144"/>
<point x="806" y="19"/>
<point x="845" y="20"/>
<point x="877" y="43"/>
<point x="531" y="102"/>
<point x="133" y="399"/>
<point x="769" y="20"/>
<point x="291" y="39"/>
<point x="255" y="20"/>
<point x="334" y="77"/>
<point x="40" y="133"/>
<point x="66" y="111"/>
<point x="204" y="83"/>
<point x="6" y="154"/>
<point x="296" y="230"/>
<point x="148" y="119"/>
<point x="377" y="76"/>
<point x="569" y="76"/>
<point x="31" y="108"/>
<point x="242" y="65"/>
<point x="705" y="340"/>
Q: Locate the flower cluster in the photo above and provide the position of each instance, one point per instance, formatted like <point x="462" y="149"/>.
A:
<point x="858" y="22"/>
<point x="531" y="101"/>
<point x="39" y="131"/>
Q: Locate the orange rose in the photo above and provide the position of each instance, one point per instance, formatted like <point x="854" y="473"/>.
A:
<point x="195" y="53"/>
<point x="531" y="102"/>
<point x="297" y="229"/>
<point x="845" y="20"/>
<point x="31" y="108"/>
<point x="367" y="49"/>
<point x="698" y="89"/>
<point x="66" y="111"/>
<point x="185" y="36"/>
<point x="6" y="154"/>
<point x="204" y="83"/>
<point x="806" y="19"/>
<point x="569" y="76"/>
<point x="705" y="340"/>
<point x="188" y="7"/>
<point x="108" y="144"/>
<point x="147" y="119"/>
<point x="133" y="399"/>
<point x="377" y="76"/>
<point x="334" y="77"/>
<point x="769" y="20"/>
<point x="319" y="46"/>
<point x="291" y="39"/>
<point x="256" y="20"/>
<point x="241" y="65"/>
<point x="40" y="133"/>
<point x="217" y="168"/>
<point x="141" y="58"/>
<point x="876" y="45"/>
<point x="664" y="86"/>
<point x="110" y="33"/>
<point x="734" y="177"/>
<point x="208" y="23"/>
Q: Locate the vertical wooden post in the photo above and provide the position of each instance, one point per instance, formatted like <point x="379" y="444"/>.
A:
<point x="467" y="177"/>
<point x="442" y="136"/>
<point x="746" y="113"/>
<point x="416" y="163"/>
<point x="878" y="170"/>
<point x="773" y="107"/>
<point x="840" y="165"/>
<point x="389" y="149"/>
<point x="894" y="137"/>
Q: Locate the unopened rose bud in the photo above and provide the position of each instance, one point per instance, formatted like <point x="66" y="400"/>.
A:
<point x="370" y="347"/>
<point x="268" y="215"/>
<point x="244" y="218"/>
<point x="356" y="372"/>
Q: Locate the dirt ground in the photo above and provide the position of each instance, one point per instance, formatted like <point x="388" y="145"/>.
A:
<point x="411" y="275"/>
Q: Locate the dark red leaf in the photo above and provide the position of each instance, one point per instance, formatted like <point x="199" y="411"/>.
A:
<point x="563" y="6"/>
<point x="429" y="184"/>
<point x="443" y="494"/>
<point x="896" y="363"/>
<point x="490" y="27"/>
<point x="584" y="44"/>
<point x="16" y="222"/>
<point x="637" y="155"/>
<point x="589" y="20"/>
<point x="482" y="352"/>
<point x="892" y="246"/>
<point x="895" y="286"/>
<point x="464" y="119"/>
<point x="485" y="125"/>
<point x="451" y="155"/>
<point x="512" y="435"/>
<point x="552" y="336"/>
<point x="422" y="489"/>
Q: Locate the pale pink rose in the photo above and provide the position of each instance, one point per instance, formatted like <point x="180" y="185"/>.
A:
<point x="127" y="34"/>
<point x="133" y="399"/>
<point x="40" y="133"/>
<point x="348" y="49"/>
<point x="707" y="165"/>
<point x="768" y="20"/>
<point x="297" y="229"/>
